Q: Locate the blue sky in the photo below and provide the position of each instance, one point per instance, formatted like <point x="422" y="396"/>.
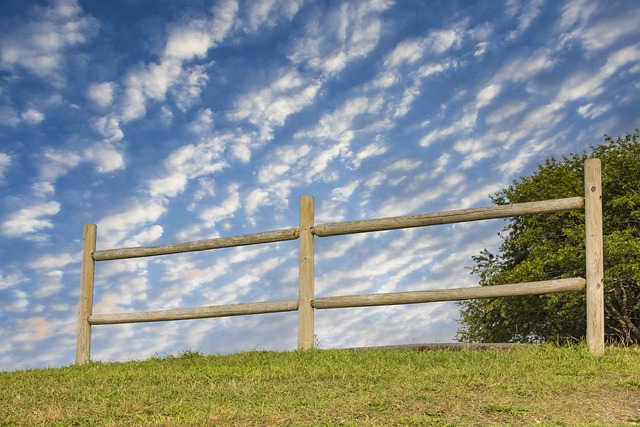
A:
<point x="165" y="121"/>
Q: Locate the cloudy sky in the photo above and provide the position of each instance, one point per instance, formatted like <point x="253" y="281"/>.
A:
<point x="171" y="121"/>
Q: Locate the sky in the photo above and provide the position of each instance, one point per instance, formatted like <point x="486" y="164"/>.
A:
<point x="164" y="121"/>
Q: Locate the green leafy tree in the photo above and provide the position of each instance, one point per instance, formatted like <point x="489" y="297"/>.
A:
<point x="552" y="246"/>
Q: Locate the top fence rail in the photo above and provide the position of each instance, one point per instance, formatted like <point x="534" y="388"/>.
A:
<point x="199" y="245"/>
<point x="448" y="217"/>
<point x="350" y="227"/>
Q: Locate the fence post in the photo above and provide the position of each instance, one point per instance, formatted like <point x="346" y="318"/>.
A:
<point x="594" y="255"/>
<point x="85" y="304"/>
<point x="305" y="278"/>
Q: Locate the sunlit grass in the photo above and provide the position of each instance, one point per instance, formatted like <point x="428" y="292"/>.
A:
<point x="524" y="386"/>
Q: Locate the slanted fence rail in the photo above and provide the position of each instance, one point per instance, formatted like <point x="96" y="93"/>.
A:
<point x="307" y="303"/>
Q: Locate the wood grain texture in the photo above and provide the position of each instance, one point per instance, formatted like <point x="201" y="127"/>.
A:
<point x="200" y="245"/>
<point x="457" y="294"/>
<point x="447" y="217"/>
<point x="85" y="303"/>
<point x="594" y="255"/>
<point x="195" y="313"/>
<point x="306" y="272"/>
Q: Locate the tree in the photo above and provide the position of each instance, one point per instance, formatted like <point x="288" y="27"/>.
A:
<point x="552" y="246"/>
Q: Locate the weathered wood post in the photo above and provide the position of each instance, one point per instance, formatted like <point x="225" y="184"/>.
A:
<point x="594" y="255"/>
<point x="305" y="278"/>
<point x="85" y="304"/>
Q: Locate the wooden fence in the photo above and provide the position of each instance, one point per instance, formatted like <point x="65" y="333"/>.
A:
<point x="307" y="303"/>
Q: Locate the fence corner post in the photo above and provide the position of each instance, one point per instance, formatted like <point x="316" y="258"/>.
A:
<point x="305" y="275"/>
<point x="594" y="255"/>
<point x="85" y="303"/>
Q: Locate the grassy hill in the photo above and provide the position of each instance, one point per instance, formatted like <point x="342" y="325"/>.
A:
<point x="545" y="386"/>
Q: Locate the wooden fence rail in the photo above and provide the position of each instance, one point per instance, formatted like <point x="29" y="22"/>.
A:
<point x="307" y="303"/>
<point x="200" y="245"/>
<point x="457" y="294"/>
<point x="447" y="217"/>
<point x="195" y="313"/>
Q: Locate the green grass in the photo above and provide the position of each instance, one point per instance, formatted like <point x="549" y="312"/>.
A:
<point x="545" y="386"/>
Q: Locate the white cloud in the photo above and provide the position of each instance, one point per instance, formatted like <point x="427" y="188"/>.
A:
<point x="186" y="90"/>
<point x="241" y="151"/>
<point x="522" y="68"/>
<point x="203" y="122"/>
<point x="347" y="32"/>
<point x="53" y="261"/>
<point x="101" y="93"/>
<point x="5" y="162"/>
<point x="505" y="112"/>
<point x="606" y="33"/>
<point x="189" y="162"/>
<point x="524" y="155"/>
<point x="193" y="159"/>
<point x="130" y="267"/>
<point x="185" y="43"/>
<point x="620" y="58"/>
<point x="30" y="219"/>
<point x="528" y="11"/>
<point x="109" y="128"/>
<point x="406" y="52"/>
<point x="462" y="126"/>
<point x="271" y="105"/>
<point x="474" y="150"/>
<point x="320" y="169"/>
<point x="150" y="82"/>
<point x="34" y="329"/>
<point x="589" y="85"/>
<point x="486" y="95"/>
<point x="56" y="163"/>
<point x="9" y="280"/>
<point x="146" y="236"/>
<point x="189" y="42"/>
<point x="49" y="283"/>
<point x="205" y="188"/>
<point x="189" y="276"/>
<point x="338" y="124"/>
<point x="32" y="116"/>
<point x="591" y="111"/>
<point x="481" y="49"/>
<point x="40" y="45"/>
<point x="440" y="165"/>
<point x="580" y="22"/>
<point x="268" y="13"/>
<point x="19" y="305"/>
<point x="411" y="80"/>
<point x="394" y="173"/>
<point x="224" y="15"/>
<point x="376" y="148"/>
<point x="254" y="200"/>
<point x="577" y="12"/>
<point x="406" y="204"/>
<point x="133" y="105"/>
<point x="225" y="210"/>
<point x="272" y="172"/>
<point x="343" y="193"/>
<point x="443" y="40"/>
<point x="118" y="227"/>
<point x="105" y="156"/>
<point x="479" y="196"/>
<point x="244" y="254"/>
<point x="168" y="186"/>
